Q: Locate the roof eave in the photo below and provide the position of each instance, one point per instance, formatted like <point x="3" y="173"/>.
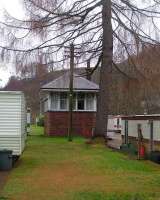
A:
<point x="67" y="90"/>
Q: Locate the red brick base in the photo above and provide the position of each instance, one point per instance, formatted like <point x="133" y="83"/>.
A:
<point x="56" y="123"/>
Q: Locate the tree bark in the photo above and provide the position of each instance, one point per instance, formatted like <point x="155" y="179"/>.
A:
<point x="105" y="71"/>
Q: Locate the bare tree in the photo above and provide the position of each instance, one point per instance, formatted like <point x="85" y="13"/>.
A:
<point x="107" y="31"/>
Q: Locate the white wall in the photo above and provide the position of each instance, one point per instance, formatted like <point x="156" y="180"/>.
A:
<point x="113" y="123"/>
<point x="12" y="121"/>
<point x="10" y="114"/>
<point x="132" y="128"/>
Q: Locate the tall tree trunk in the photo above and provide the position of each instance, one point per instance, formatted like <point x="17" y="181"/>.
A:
<point x="105" y="71"/>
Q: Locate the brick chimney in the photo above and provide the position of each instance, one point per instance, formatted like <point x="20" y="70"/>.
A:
<point x="88" y="70"/>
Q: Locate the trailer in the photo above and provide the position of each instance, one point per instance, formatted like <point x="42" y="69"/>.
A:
<point x="114" y="123"/>
<point x="12" y="122"/>
<point x="113" y="136"/>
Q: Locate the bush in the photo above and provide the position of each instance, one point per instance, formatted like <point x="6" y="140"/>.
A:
<point x="40" y="120"/>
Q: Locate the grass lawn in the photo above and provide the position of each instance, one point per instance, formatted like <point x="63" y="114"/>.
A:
<point x="55" y="169"/>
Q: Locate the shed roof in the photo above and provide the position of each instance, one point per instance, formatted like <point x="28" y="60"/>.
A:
<point x="10" y="92"/>
<point x="142" y="117"/>
<point x="79" y="84"/>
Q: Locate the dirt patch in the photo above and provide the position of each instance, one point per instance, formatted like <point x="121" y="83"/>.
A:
<point x="56" y="181"/>
<point x="3" y="179"/>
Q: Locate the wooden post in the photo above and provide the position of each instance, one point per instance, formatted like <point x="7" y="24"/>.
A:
<point x="70" y="128"/>
<point x="126" y="132"/>
<point x="140" y="137"/>
<point x="151" y="135"/>
<point x="28" y="120"/>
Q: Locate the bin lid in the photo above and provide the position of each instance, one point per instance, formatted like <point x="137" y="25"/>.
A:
<point x="7" y="151"/>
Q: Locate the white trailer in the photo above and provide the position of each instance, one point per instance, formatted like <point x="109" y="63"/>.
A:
<point x="12" y="122"/>
<point x="114" y="123"/>
<point x="114" y="139"/>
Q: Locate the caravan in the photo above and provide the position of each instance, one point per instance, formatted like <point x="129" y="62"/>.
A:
<point x="12" y="122"/>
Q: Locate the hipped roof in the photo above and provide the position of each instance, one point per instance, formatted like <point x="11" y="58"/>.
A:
<point x="79" y="84"/>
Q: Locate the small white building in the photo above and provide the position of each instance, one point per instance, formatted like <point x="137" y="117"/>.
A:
<point x="12" y="121"/>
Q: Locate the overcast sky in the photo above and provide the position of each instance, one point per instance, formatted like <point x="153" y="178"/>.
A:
<point x="14" y="8"/>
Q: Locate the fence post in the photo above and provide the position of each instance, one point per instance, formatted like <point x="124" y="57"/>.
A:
<point x="126" y="132"/>
<point x="151" y="135"/>
<point x="28" y="120"/>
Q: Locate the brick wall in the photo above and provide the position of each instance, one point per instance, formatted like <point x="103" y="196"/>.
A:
<point x="56" y="123"/>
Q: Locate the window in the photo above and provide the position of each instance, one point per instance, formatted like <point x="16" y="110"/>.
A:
<point x="80" y="101"/>
<point x="89" y="101"/>
<point x="45" y="105"/>
<point x="54" y="101"/>
<point x="63" y="101"/>
<point x="74" y="101"/>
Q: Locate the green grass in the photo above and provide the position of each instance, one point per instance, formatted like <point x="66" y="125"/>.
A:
<point x="52" y="168"/>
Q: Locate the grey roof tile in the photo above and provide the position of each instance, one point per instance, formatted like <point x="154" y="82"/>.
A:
<point x="79" y="83"/>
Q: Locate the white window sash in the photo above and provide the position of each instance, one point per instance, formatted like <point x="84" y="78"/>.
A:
<point x="90" y="102"/>
<point x="55" y="106"/>
<point x="50" y="104"/>
<point x="95" y="102"/>
<point x="65" y="101"/>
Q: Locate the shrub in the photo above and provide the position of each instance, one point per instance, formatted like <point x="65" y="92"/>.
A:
<point x="40" y="120"/>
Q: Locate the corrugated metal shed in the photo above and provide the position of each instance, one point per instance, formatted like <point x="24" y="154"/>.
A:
<point x="79" y="84"/>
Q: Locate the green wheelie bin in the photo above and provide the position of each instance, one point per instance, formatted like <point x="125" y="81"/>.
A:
<point x="5" y="160"/>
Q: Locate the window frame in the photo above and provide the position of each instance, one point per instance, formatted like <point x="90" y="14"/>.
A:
<point x="93" y="98"/>
<point x="63" y="99"/>
<point x="58" y="105"/>
<point x="76" y="102"/>
<point x="81" y="99"/>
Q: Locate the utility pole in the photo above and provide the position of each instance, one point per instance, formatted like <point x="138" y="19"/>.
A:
<point x="88" y="70"/>
<point x="70" y="128"/>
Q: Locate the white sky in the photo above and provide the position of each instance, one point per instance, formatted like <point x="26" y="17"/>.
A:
<point x="14" y="8"/>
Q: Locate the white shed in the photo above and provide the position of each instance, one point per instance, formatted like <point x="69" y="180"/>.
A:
<point x="150" y="127"/>
<point x="12" y="121"/>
